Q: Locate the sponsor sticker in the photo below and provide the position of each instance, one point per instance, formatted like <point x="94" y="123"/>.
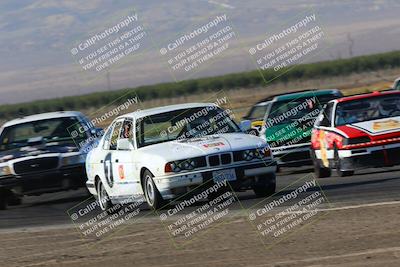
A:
<point x="121" y="172"/>
<point x="386" y="125"/>
<point x="213" y="145"/>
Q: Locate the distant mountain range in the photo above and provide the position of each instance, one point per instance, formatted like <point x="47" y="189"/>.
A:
<point x="36" y="38"/>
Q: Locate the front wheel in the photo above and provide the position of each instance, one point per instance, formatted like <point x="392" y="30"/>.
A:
<point x="320" y="171"/>
<point x="338" y="164"/>
<point x="266" y="185"/>
<point x="14" y="200"/>
<point x="3" y="199"/>
<point x="103" y="198"/>
<point x="153" y="196"/>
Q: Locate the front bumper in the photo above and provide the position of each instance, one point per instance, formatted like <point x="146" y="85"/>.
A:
<point x="293" y="156"/>
<point x="46" y="181"/>
<point x="362" y="158"/>
<point x="174" y="185"/>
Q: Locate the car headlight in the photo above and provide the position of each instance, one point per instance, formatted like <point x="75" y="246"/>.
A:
<point x="356" y="141"/>
<point x="175" y="167"/>
<point x="259" y="153"/>
<point x="72" y="160"/>
<point x="5" y="171"/>
<point x="180" y="165"/>
<point x="188" y="164"/>
<point x="248" y="154"/>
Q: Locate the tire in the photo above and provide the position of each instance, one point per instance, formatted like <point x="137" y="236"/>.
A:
<point x="266" y="186"/>
<point x="320" y="171"/>
<point x="339" y="171"/>
<point x="103" y="198"/>
<point x="151" y="193"/>
<point x="278" y="169"/>
<point x="3" y="199"/>
<point x="14" y="200"/>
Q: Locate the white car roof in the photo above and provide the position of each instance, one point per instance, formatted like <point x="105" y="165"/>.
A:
<point x="43" y="116"/>
<point x="159" y="110"/>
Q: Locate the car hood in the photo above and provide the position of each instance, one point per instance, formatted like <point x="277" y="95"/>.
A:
<point x="28" y="151"/>
<point x="376" y="129"/>
<point x="195" y="147"/>
<point x="282" y="134"/>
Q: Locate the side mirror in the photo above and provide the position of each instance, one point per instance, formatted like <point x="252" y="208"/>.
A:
<point x="124" y="144"/>
<point x="245" y="125"/>
<point x="98" y="132"/>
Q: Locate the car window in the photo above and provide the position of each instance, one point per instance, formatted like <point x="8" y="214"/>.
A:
<point x="111" y="136"/>
<point x="283" y="112"/>
<point x="325" y="116"/>
<point x="372" y="108"/>
<point x="127" y="129"/>
<point x="107" y="136"/>
<point x="184" y="124"/>
<point x="115" y="135"/>
<point x="257" y="112"/>
<point x="397" y="87"/>
<point x="61" y="130"/>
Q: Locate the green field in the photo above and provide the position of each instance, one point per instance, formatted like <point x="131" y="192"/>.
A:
<point x="319" y="70"/>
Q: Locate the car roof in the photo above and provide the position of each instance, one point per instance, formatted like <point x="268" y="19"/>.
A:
<point x="364" y="96"/>
<point x="309" y="93"/>
<point x="165" y="109"/>
<point x="297" y="94"/>
<point x="43" y="116"/>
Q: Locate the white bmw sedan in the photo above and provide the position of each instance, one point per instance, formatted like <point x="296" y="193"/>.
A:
<point x="163" y="153"/>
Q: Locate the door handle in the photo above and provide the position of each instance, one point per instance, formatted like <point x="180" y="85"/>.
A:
<point x="101" y="161"/>
<point x="117" y="160"/>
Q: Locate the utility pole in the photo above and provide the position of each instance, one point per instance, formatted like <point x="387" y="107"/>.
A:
<point x="108" y="81"/>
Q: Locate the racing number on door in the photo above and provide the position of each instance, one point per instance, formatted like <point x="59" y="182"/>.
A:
<point x="108" y="171"/>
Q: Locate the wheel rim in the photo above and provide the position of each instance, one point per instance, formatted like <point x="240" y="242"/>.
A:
<point x="102" y="196"/>
<point x="150" y="192"/>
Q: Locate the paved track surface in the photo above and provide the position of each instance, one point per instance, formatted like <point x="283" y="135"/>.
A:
<point x="367" y="186"/>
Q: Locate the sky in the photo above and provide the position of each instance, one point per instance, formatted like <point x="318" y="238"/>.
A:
<point x="45" y="51"/>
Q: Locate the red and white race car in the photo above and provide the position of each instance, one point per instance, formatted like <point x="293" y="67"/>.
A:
<point x="361" y="131"/>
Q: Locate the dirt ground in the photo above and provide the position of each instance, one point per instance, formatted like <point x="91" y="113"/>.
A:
<point x="365" y="236"/>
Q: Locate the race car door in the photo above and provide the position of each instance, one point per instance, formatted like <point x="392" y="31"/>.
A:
<point x="123" y="165"/>
<point x="108" y="157"/>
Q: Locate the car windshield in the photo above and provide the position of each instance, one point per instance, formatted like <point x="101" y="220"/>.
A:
<point x="257" y="112"/>
<point x="51" y="130"/>
<point x="184" y="124"/>
<point x="283" y="112"/>
<point x="397" y="85"/>
<point x="367" y="109"/>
